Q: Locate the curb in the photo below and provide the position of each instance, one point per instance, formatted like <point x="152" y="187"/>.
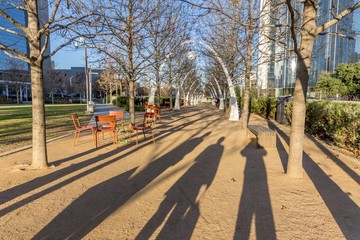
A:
<point x="30" y="146"/>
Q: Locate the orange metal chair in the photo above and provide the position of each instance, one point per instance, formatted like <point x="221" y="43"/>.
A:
<point x="145" y="125"/>
<point x="119" y="116"/>
<point x="79" y="128"/>
<point x="156" y="110"/>
<point x="106" y="124"/>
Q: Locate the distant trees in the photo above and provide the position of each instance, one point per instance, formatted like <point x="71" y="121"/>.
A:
<point x="344" y="82"/>
<point x="54" y="84"/>
<point x="16" y="77"/>
<point x="328" y="85"/>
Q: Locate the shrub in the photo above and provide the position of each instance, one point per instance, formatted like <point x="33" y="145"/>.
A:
<point x="263" y="106"/>
<point x="123" y="101"/>
<point x="335" y="121"/>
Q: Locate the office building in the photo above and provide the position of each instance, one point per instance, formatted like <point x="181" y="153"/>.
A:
<point x="8" y="64"/>
<point x="277" y="65"/>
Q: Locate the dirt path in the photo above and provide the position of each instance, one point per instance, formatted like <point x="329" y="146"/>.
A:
<point x="203" y="179"/>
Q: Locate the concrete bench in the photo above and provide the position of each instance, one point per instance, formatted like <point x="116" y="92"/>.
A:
<point x="266" y="138"/>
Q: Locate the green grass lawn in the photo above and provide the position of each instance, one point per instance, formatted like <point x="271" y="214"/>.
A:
<point x="16" y="123"/>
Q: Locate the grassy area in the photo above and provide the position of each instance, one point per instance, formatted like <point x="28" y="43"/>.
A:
<point x="16" y="123"/>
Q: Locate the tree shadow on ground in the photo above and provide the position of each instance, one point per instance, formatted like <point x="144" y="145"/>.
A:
<point x="181" y="203"/>
<point x="255" y="199"/>
<point x="344" y="210"/>
<point x="336" y="160"/>
<point x="24" y="188"/>
<point x="97" y="203"/>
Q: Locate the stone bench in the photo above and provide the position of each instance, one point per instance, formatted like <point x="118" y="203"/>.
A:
<point x="266" y="138"/>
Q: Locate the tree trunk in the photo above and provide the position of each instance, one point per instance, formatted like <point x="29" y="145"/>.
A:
<point x="171" y="98"/>
<point x="110" y="100"/>
<point x="132" y="100"/>
<point x="245" y="110"/>
<point x="294" y="167"/>
<point x="39" y="159"/>
<point x="158" y="101"/>
<point x="17" y="97"/>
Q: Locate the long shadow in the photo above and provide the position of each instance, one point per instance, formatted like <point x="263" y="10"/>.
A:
<point x="280" y="148"/>
<point x="336" y="160"/>
<point x="26" y="187"/>
<point x="181" y="202"/>
<point x="344" y="210"/>
<point x="255" y="199"/>
<point x="96" y="204"/>
<point x="21" y="189"/>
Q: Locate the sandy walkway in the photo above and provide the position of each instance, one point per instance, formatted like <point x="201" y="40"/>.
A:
<point x="203" y="179"/>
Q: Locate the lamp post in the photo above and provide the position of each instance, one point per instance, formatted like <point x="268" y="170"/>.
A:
<point x="87" y="90"/>
<point x="90" y="84"/>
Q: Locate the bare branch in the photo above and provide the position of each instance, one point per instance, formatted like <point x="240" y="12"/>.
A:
<point x="337" y="18"/>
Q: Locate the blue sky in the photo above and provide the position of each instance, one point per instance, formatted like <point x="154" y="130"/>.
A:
<point x="70" y="57"/>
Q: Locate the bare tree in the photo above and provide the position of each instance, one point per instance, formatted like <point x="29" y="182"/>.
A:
<point x="16" y="76"/>
<point x="36" y="33"/>
<point x="166" y="30"/>
<point x="303" y="24"/>
<point x="77" y="85"/>
<point x="54" y="84"/>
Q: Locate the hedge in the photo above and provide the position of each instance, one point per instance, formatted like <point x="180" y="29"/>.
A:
<point x="338" y="122"/>
<point x="263" y="106"/>
<point x="123" y="101"/>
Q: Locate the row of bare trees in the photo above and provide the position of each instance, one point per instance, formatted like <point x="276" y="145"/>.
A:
<point x="245" y="30"/>
<point x="142" y="40"/>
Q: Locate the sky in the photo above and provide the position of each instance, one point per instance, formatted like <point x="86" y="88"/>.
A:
<point x="70" y="57"/>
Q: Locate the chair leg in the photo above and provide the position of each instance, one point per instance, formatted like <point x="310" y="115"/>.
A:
<point x="97" y="139"/>
<point x="93" y="134"/>
<point x="144" y="134"/>
<point x="152" y="134"/>
<point x="115" y="138"/>
<point x="137" y="138"/>
<point x="74" y="138"/>
<point x="77" y="137"/>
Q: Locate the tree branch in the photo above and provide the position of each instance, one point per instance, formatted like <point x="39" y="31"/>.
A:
<point x="337" y="18"/>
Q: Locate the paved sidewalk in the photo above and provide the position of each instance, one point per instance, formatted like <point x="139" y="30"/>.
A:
<point x="202" y="179"/>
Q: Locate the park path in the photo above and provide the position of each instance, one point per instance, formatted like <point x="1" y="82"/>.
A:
<point x="202" y="179"/>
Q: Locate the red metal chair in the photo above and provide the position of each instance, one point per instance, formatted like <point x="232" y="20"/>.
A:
<point x="105" y="124"/>
<point x="156" y="110"/>
<point x="148" y="120"/>
<point x="79" y="128"/>
<point x="119" y="116"/>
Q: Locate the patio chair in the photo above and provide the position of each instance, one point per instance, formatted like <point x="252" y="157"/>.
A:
<point x="156" y="111"/>
<point x="119" y="116"/>
<point x="145" y="125"/>
<point x="105" y="124"/>
<point x="79" y="128"/>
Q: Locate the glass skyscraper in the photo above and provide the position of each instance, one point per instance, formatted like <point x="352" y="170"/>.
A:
<point x="12" y="40"/>
<point x="330" y="49"/>
<point x="9" y="39"/>
<point x="14" y="73"/>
